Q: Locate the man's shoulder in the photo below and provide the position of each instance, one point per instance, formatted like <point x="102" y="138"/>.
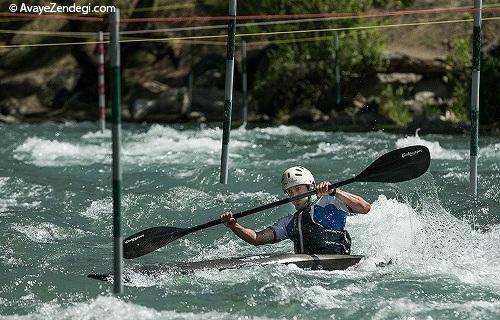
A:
<point x="328" y="201"/>
<point x="284" y="219"/>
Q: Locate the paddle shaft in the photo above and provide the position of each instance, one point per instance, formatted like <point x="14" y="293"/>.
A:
<point x="267" y="206"/>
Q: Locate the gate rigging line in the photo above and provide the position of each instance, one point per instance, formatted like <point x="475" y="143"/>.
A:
<point x="301" y="16"/>
<point x="255" y="34"/>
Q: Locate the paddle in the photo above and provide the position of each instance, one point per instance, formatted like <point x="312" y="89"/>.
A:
<point x="395" y="166"/>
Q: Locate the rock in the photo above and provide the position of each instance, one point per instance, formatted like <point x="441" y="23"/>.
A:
<point x="8" y="119"/>
<point x="210" y="102"/>
<point x="359" y="101"/>
<point x="58" y="87"/>
<point x="436" y="85"/>
<point x="370" y="115"/>
<point x="423" y="99"/>
<point x="31" y="105"/>
<point x="20" y="86"/>
<point x="140" y="108"/>
<point x="399" y="78"/>
<point x="305" y="115"/>
<point x="260" y="118"/>
<point x="210" y="78"/>
<point x="341" y="119"/>
<point x="196" y="116"/>
<point x="9" y="106"/>
<point x="401" y="63"/>
<point x="26" y="106"/>
<point x="436" y="125"/>
<point x="170" y="106"/>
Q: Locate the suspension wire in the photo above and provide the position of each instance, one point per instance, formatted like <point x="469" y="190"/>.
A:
<point x="245" y="25"/>
<point x="465" y="9"/>
<point x="254" y="43"/>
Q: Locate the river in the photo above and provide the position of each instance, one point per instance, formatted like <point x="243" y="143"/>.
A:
<point x="56" y="225"/>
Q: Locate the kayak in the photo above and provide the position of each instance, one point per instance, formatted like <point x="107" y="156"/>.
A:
<point x="327" y="262"/>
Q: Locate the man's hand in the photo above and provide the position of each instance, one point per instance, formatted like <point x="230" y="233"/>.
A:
<point x="227" y="219"/>
<point x="322" y="189"/>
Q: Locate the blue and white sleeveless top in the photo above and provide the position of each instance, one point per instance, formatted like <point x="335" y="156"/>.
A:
<point x="329" y="212"/>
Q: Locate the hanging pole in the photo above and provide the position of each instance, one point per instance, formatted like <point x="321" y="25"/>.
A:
<point x="244" y="81"/>
<point x="116" y="137"/>
<point x="474" y="116"/>
<point x="228" y="91"/>
<point x="100" y="81"/>
<point x="338" y="94"/>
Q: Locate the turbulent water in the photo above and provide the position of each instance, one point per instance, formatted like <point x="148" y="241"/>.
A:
<point x="56" y="224"/>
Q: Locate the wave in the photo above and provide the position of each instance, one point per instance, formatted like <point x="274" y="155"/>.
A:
<point x="435" y="148"/>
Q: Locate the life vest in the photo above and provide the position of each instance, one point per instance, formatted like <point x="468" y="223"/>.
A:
<point x="312" y="238"/>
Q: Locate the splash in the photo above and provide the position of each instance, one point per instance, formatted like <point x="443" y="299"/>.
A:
<point x="52" y="153"/>
<point x="97" y="135"/>
<point x="491" y="151"/>
<point x="423" y="238"/>
<point x="437" y="152"/>
<point x="286" y="131"/>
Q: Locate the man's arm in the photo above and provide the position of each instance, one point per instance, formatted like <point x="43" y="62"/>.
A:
<point x="353" y="202"/>
<point x="248" y="235"/>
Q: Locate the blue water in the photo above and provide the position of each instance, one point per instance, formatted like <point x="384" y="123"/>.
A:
<point x="56" y="222"/>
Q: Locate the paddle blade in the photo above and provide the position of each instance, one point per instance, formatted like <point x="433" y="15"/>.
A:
<point x="398" y="165"/>
<point x="149" y="240"/>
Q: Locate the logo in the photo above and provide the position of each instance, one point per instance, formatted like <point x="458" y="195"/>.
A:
<point x="411" y="154"/>
<point x="134" y="238"/>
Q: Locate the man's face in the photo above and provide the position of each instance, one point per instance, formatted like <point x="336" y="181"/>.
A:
<point x="293" y="191"/>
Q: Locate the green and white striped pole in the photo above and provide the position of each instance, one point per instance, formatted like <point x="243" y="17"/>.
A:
<point x="244" y="81"/>
<point x="474" y="116"/>
<point x="116" y="136"/>
<point x="100" y="81"/>
<point x="337" y="71"/>
<point x="228" y="91"/>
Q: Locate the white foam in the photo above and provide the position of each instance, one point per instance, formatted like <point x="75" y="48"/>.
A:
<point x="47" y="232"/>
<point x="110" y="308"/>
<point x="287" y="131"/>
<point x="425" y="240"/>
<point x="491" y="151"/>
<point x="53" y="153"/>
<point x="3" y="181"/>
<point x="156" y="146"/>
<point x="99" y="209"/>
<point x="404" y="307"/>
<point x="435" y="149"/>
<point x="97" y="135"/>
<point x="14" y="191"/>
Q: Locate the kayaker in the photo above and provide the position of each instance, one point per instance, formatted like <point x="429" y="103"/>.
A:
<point x="318" y="224"/>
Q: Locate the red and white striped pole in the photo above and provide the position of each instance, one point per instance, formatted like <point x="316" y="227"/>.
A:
<point x="100" y="81"/>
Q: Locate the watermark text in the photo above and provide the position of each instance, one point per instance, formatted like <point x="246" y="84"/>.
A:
<point x="54" y="8"/>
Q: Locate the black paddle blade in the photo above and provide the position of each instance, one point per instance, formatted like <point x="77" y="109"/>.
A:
<point x="399" y="165"/>
<point x="149" y="240"/>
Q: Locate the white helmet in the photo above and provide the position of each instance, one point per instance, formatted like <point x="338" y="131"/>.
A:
<point x="295" y="176"/>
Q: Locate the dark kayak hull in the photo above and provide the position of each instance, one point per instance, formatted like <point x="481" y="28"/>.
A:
<point x="304" y="261"/>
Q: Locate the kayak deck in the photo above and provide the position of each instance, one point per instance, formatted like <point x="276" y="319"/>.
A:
<point x="304" y="261"/>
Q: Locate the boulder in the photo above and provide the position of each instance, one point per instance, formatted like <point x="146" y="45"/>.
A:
<point x="306" y="115"/>
<point x="171" y="105"/>
<point x="435" y="125"/>
<point x="436" y="85"/>
<point x="210" y="102"/>
<point x="399" y="78"/>
<point x="370" y="115"/>
<point x="402" y="63"/>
